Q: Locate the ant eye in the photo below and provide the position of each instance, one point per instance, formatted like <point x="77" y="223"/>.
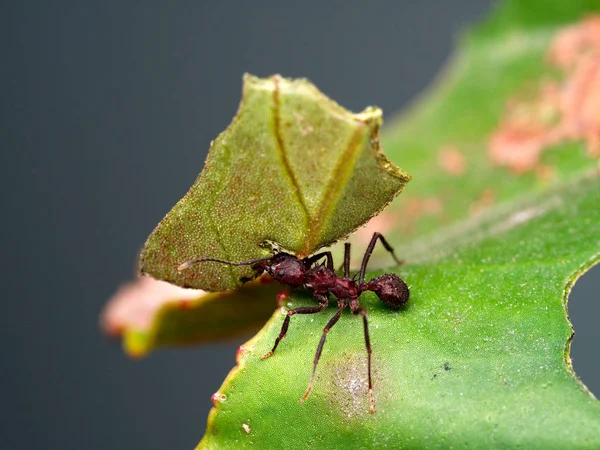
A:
<point x="281" y="273"/>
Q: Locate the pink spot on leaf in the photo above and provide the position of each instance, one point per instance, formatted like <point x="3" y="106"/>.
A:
<point x="281" y="298"/>
<point x="451" y="160"/>
<point x="241" y="351"/>
<point x="217" y="398"/>
<point x="568" y="110"/>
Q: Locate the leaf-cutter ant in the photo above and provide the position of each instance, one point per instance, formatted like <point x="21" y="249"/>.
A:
<point x="321" y="280"/>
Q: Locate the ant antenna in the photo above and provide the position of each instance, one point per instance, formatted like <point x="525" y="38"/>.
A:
<point x="188" y="264"/>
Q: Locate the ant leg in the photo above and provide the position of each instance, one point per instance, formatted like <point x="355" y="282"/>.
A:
<point x="331" y="323"/>
<point x="346" y="264"/>
<point x="310" y="261"/>
<point x="357" y="310"/>
<point x="347" y="260"/>
<point x="369" y="251"/>
<point x="323" y="301"/>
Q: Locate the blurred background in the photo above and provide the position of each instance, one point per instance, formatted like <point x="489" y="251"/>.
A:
<point x="108" y="109"/>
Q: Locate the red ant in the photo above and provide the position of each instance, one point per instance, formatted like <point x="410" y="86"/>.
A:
<point x="321" y="280"/>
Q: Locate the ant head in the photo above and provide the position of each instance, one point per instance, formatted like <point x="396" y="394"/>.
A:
<point x="390" y="289"/>
<point x="283" y="267"/>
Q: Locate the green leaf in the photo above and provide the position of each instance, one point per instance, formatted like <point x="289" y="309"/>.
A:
<point x="496" y="83"/>
<point x="294" y="170"/>
<point x="479" y="358"/>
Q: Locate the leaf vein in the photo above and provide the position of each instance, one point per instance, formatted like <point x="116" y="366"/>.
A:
<point x="280" y="148"/>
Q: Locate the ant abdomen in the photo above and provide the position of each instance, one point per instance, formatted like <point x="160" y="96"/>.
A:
<point x="390" y="289"/>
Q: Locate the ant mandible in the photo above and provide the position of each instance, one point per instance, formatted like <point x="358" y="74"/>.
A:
<point x="321" y="280"/>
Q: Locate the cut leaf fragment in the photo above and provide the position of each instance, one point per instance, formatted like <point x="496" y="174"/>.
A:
<point x="149" y="314"/>
<point x="294" y="170"/>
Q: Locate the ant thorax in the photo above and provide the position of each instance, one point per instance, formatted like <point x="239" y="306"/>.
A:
<point x="322" y="280"/>
<point x="319" y="279"/>
<point x="345" y="287"/>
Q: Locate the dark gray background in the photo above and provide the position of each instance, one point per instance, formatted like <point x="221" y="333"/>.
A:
<point x="107" y="110"/>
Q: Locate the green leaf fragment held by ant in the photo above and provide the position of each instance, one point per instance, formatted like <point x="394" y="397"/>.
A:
<point x="294" y="171"/>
